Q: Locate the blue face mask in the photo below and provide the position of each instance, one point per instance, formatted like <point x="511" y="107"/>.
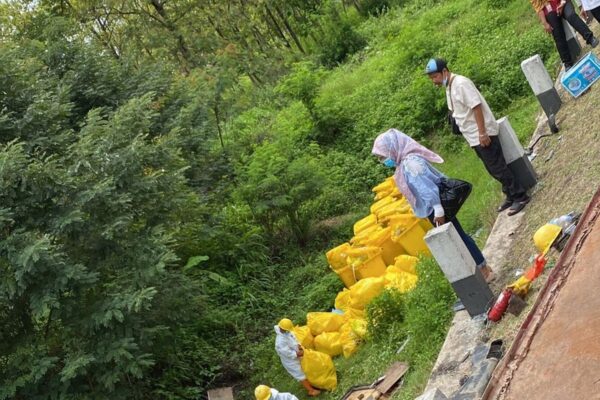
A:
<point x="445" y="82"/>
<point x="388" y="162"/>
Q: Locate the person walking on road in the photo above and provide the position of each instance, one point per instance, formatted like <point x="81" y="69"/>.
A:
<point x="478" y="126"/>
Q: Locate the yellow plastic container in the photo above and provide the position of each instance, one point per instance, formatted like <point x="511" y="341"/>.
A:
<point x="400" y="221"/>
<point x="387" y="185"/>
<point x="381" y="195"/>
<point x="346" y="274"/>
<point x="396" y="208"/>
<point x="425" y="224"/>
<point x="381" y="203"/>
<point x="365" y="223"/>
<point x="360" y="253"/>
<point x="396" y="194"/>
<point x="359" y="239"/>
<point x="372" y="268"/>
<point x="336" y="257"/>
<point x="382" y="237"/>
<point x="411" y="239"/>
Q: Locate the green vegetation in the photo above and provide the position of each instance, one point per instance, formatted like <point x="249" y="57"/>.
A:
<point x="171" y="174"/>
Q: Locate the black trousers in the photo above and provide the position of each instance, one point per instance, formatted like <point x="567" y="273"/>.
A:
<point x="596" y="13"/>
<point x="494" y="162"/>
<point x="558" y="32"/>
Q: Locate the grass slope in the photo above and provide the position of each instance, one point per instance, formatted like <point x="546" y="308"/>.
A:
<point x="361" y="93"/>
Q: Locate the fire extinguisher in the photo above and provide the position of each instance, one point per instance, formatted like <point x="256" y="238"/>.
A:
<point x="500" y="306"/>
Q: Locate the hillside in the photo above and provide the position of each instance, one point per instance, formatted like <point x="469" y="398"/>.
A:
<point x="173" y="172"/>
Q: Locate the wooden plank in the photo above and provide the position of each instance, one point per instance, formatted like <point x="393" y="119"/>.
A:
<point x="392" y="375"/>
<point x="220" y="394"/>
<point x="363" y="394"/>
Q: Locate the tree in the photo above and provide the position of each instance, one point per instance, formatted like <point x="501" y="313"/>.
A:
<point x="276" y="184"/>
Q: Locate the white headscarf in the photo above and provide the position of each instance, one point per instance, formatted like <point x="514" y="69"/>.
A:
<point x="397" y="146"/>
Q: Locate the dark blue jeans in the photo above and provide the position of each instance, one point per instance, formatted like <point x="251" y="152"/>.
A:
<point x="468" y="240"/>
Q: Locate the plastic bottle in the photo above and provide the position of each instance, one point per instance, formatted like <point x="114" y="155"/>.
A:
<point x="564" y="221"/>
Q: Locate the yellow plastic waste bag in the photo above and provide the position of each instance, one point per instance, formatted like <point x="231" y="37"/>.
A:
<point x="352" y="313"/>
<point x="342" y="300"/>
<point x="320" y="322"/>
<point x="364" y="291"/>
<point x="319" y="369"/>
<point x="348" y="339"/>
<point x="359" y="327"/>
<point x="303" y="336"/>
<point x="329" y="343"/>
<point x="407" y="263"/>
<point x="336" y="257"/>
<point x="402" y="281"/>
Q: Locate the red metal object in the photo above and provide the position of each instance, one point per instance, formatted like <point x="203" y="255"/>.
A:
<point x="537" y="268"/>
<point x="556" y="353"/>
<point x="500" y="306"/>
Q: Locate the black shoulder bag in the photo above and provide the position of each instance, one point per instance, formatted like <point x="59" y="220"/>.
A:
<point x="451" y="120"/>
<point x="453" y="194"/>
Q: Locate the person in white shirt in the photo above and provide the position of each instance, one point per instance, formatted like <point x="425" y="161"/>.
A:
<point x="590" y="7"/>
<point x="478" y="126"/>
<point x="290" y="353"/>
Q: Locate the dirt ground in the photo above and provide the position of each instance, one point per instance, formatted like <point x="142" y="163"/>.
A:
<point x="568" y="166"/>
<point x="557" y="354"/>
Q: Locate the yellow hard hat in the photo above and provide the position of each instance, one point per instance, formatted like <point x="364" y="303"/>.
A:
<point x="286" y="324"/>
<point x="545" y="236"/>
<point x="262" y="392"/>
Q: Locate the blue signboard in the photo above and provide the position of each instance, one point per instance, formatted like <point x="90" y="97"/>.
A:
<point x="582" y="75"/>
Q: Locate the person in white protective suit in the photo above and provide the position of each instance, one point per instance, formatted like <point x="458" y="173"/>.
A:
<point x="290" y="352"/>
<point x="263" y="392"/>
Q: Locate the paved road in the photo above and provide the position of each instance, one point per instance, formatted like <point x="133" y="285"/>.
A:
<point x="557" y="353"/>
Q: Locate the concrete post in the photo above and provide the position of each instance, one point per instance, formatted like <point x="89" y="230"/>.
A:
<point x="541" y="84"/>
<point x="514" y="155"/>
<point x="574" y="46"/>
<point x="458" y="265"/>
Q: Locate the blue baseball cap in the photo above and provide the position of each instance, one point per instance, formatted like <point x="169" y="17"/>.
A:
<point x="435" y="65"/>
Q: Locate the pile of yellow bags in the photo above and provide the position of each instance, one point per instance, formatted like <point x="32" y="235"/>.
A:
<point x="381" y="255"/>
<point x="390" y="230"/>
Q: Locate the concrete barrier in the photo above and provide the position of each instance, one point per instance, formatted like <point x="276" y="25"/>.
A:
<point x="541" y="84"/>
<point x="514" y="155"/>
<point x="458" y="266"/>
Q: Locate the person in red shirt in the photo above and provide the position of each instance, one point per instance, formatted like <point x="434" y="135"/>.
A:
<point x="551" y="14"/>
